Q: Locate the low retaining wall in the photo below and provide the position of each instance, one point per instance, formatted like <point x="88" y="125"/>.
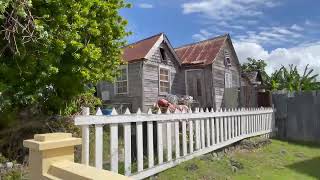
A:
<point x="51" y="157"/>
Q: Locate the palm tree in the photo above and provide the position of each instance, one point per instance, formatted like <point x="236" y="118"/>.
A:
<point x="309" y="82"/>
<point x="291" y="80"/>
<point x="273" y="82"/>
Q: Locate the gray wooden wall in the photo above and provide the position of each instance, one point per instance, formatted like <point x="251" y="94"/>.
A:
<point x="298" y="115"/>
<point x="134" y="84"/>
<point x="218" y="73"/>
<point x="248" y="96"/>
<point x="151" y="77"/>
<point x="143" y="81"/>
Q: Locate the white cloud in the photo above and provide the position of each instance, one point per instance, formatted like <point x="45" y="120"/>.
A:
<point x="202" y="35"/>
<point x="297" y="27"/>
<point x="271" y="35"/>
<point x="145" y="6"/>
<point x="310" y="23"/>
<point x="205" y="34"/>
<point x="225" y="24"/>
<point x="263" y="35"/>
<point x="227" y="9"/>
<point x="300" y="56"/>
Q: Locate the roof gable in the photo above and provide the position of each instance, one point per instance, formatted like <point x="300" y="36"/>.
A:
<point x="254" y="77"/>
<point x="143" y="49"/>
<point x="165" y="40"/>
<point x="203" y="52"/>
<point x="140" y="49"/>
<point x="233" y="52"/>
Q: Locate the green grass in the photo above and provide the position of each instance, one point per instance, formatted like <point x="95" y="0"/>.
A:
<point x="278" y="161"/>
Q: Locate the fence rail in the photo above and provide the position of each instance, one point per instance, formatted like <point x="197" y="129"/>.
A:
<point x="178" y="136"/>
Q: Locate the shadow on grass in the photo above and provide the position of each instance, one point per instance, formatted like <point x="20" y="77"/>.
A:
<point x="309" y="167"/>
<point x="297" y="142"/>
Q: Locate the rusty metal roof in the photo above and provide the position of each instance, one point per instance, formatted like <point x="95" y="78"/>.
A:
<point x="203" y="52"/>
<point x="139" y="49"/>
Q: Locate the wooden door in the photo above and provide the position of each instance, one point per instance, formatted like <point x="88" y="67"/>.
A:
<point x="264" y="99"/>
<point x="195" y="85"/>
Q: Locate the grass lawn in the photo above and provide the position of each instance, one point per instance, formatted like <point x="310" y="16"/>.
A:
<point x="278" y="160"/>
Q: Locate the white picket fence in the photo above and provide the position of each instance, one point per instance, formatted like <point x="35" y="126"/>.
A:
<point x="187" y="135"/>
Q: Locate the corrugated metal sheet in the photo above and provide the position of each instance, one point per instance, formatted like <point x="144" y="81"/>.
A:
<point x="203" y="52"/>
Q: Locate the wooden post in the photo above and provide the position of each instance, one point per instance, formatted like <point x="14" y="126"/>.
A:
<point x="160" y="141"/>
<point x="139" y="144"/>
<point x="114" y="144"/>
<point x="169" y="139"/>
<point x="99" y="142"/>
<point x="127" y="146"/>
<point x="190" y="133"/>
<point x="85" y="139"/>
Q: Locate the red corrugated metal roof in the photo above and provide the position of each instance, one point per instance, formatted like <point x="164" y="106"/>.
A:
<point x="203" y="52"/>
<point x="139" y="50"/>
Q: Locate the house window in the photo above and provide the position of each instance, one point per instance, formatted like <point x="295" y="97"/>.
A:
<point x="163" y="55"/>
<point x="164" y="80"/>
<point x="199" y="92"/>
<point x="122" y="81"/>
<point x="228" y="80"/>
<point x="227" y="58"/>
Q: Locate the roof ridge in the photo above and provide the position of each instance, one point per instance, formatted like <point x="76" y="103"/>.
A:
<point x="190" y="44"/>
<point x="143" y="40"/>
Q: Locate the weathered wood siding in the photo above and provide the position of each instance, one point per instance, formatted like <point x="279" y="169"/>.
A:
<point x="208" y="87"/>
<point x="151" y="76"/>
<point x="218" y="73"/>
<point x="134" y="84"/>
<point x="143" y="80"/>
<point x="248" y="94"/>
<point x="204" y="76"/>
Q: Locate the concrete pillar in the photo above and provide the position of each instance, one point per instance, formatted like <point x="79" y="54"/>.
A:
<point x="46" y="149"/>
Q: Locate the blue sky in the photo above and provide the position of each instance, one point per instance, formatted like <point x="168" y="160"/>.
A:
<point x="281" y="32"/>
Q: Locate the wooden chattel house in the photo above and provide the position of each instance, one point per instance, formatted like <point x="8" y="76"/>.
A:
<point x="208" y="70"/>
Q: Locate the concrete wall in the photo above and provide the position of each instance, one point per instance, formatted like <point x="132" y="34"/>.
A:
<point x="298" y="115"/>
<point x="51" y="157"/>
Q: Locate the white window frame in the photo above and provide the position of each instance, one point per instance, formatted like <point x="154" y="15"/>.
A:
<point x="127" y="80"/>
<point x="169" y="79"/>
<point x="227" y="56"/>
<point x="228" y="79"/>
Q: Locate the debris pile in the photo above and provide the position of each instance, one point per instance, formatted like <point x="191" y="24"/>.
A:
<point x="173" y="103"/>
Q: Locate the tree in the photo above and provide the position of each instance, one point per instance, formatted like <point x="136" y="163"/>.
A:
<point x="290" y="79"/>
<point x="50" y="50"/>
<point x="255" y="65"/>
<point x="274" y="82"/>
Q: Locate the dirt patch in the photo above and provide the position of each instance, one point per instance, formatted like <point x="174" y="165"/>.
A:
<point x="191" y="167"/>
<point x="251" y="144"/>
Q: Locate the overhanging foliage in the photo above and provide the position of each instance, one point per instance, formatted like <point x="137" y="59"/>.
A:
<point x="50" y="50"/>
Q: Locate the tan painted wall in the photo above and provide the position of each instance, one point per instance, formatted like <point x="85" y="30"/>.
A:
<point x="51" y="157"/>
